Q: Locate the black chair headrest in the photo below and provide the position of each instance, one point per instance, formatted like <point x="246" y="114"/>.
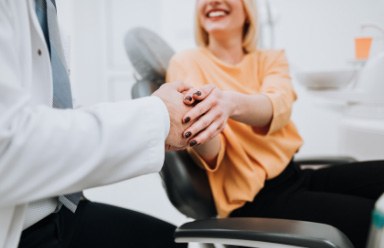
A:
<point x="186" y="184"/>
<point x="148" y="53"/>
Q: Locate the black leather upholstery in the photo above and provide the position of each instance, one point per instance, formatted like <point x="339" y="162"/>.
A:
<point x="187" y="186"/>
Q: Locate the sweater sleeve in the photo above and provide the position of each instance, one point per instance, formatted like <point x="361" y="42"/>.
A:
<point x="277" y="85"/>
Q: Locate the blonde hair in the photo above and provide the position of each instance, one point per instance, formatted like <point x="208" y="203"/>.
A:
<point x="250" y="34"/>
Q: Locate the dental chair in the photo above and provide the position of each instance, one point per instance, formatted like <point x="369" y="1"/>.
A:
<point x="187" y="184"/>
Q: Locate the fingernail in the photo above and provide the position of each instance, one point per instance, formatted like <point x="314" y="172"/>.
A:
<point x="193" y="143"/>
<point x="197" y="93"/>
<point x="187" y="134"/>
<point x="187" y="119"/>
<point x="188" y="98"/>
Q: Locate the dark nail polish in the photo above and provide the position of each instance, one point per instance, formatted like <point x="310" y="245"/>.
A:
<point x="193" y="143"/>
<point x="188" y="98"/>
<point x="187" y="134"/>
<point x="187" y="119"/>
<point x="197" y="93"/>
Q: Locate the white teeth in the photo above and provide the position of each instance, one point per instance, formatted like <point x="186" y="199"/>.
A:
<point x="216" y="13"/>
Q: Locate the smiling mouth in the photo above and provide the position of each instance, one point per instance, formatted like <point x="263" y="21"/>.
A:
<point x="216" y="13"/>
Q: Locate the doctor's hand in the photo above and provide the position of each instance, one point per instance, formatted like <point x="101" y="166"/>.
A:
<point x="211" y="109"/>
<point x="171" y="95"/>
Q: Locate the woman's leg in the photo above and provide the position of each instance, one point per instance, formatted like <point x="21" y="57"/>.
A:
<point x="364" y="179"/>
<point x="292" y="196"/>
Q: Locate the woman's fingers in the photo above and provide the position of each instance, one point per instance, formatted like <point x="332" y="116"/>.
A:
<point x="199" y="109"/>
<point x="208" y="133"/>
<point x="203" y="92"/>
<point x="211" y="118"/>
<point x="198" y="94"/>
<point x="188" y="99"/>
<point x="208" y="115"/>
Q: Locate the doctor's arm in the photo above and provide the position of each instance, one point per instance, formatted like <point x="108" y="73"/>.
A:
<point x="46" y="152"/>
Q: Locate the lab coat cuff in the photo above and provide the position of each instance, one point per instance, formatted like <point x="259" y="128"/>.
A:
<point x="167" y="118"/>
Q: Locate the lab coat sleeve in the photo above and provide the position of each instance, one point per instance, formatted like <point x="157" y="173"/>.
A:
<point x="46" y="152"/>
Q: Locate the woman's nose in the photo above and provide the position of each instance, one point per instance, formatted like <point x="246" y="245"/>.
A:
<point x="214" y="2"/>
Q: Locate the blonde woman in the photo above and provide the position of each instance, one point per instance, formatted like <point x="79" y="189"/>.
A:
<point x="244" y="100"/>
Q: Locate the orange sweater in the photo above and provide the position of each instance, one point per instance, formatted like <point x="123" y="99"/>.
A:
<point x="248" y="156"/>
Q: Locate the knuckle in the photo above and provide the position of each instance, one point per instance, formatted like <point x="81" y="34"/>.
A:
<point x="214" y="101"/>
<point x="219" y="114"/>
<point x="203" y="137"/>
<point x="203" y="108"/>
<point x="205" y="123"/>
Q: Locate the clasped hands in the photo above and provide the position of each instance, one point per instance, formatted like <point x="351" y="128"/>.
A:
<point x="196" y="114"/>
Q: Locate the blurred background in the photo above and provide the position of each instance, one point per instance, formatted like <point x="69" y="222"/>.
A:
<point x="319" y="38"/>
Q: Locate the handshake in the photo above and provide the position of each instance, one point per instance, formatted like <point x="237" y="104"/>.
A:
<point x="196" y="115"/>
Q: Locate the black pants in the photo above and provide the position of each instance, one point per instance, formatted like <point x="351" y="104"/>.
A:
<point x="99" y="225"/>
<point x="342" y="196"/>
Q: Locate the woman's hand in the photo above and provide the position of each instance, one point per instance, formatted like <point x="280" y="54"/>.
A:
<point x="212" y="108"/>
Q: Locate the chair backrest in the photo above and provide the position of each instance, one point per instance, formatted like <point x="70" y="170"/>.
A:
<point x="186" y="184"/>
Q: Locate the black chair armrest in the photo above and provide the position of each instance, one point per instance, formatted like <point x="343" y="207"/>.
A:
<point x="262" y="232"/>
<point x="322" y="161"/>
<point x="319" y="160"/>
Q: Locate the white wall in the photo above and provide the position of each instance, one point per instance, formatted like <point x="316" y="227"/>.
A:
<point x="317" y="34"/>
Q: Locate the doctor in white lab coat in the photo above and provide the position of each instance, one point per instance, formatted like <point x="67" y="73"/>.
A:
<point x="45" y="152"/>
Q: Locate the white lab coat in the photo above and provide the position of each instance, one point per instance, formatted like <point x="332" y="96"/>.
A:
<point x="45" y="152"/>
